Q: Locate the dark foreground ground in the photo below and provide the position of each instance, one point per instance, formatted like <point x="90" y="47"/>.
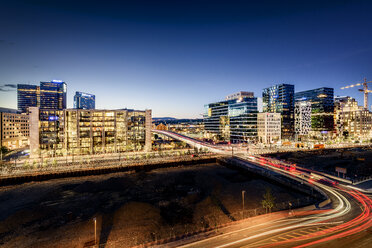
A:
<point x="131" y="208"/>
<point x="356" y="161"/>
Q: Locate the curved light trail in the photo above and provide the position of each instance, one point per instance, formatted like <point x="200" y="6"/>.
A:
<point x="340" y="221"/>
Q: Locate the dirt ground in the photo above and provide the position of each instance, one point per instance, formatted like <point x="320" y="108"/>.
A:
<point x="357" y="161"/>
<point x="131" y="208"/>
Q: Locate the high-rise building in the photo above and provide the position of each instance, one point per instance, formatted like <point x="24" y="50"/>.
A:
<point x="84" y="100"/>
<point x="280" y="99"/>
<point x="49" y="95"/>
<point x="269" y="127"/>
<point x="53" y="95"/>
<point x="232" y="120"/>
<point x="322" y="108"/>
<point x="76" y="131"/>
<point x="14" y="129"/>
<point x="302" y="118"/>
<point x="27" y="96"/>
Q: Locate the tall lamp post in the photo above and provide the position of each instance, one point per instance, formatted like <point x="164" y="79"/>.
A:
<point x="243" y="192"/>
<point x="95" y="230"/>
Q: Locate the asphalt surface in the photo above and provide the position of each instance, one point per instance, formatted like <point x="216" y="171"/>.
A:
<point x="346" y="222"/>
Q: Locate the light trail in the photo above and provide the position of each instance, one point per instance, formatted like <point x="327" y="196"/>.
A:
<point x="342" y="206"/>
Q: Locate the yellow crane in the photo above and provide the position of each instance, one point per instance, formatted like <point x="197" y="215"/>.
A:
<point x="365" y="90"/>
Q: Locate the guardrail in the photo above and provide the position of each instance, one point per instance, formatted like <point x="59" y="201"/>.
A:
<point x="83" y="169"/>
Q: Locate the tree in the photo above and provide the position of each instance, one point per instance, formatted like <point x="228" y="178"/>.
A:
<point x="268" y="201"/>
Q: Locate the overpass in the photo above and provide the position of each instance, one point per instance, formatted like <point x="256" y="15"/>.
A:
<point x="348" y="211"/>
<point x="194" y="142"/>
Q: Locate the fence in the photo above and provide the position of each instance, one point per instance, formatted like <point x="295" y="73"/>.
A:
<point x="50" y="166"/>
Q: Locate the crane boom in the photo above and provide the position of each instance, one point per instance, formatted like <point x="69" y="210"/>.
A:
<point x="365" y="90"/>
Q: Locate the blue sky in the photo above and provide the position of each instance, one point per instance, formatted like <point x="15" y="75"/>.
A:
<point x="176" y="56"/>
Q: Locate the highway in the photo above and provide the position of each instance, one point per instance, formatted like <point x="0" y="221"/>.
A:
<point x="345" y="222"/>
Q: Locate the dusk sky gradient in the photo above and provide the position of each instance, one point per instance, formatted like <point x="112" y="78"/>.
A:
<point x="175" y="56"/>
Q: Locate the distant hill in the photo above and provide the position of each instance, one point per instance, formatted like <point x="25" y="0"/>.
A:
<point x="163" y="118"/>
<point x="171" y="120"/>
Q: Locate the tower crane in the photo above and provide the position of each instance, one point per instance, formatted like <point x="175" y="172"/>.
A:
<point x="365" y="90"/>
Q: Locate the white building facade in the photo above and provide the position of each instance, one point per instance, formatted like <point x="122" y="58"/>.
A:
<point x="269" y="127"/>
<point x="302" y="118"/>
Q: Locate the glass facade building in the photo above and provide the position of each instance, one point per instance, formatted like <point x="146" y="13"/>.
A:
<point x="322" y="108"/>
<point x="75" y="131"/>
<point x="53" y="95"/>
<point x="280" y="99"/>
<point x="232" y="120"/>
<point x="49" y="95"/>
<point x="27" y="96"/>
<point x="84" y="101"/>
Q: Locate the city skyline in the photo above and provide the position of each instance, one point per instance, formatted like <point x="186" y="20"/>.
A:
<point x="148" y="56"/>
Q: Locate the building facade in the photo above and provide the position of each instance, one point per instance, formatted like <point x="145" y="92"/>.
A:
<point x="280" y="99"/>
<point x="352" y="120"/>
<point x="49" y="95"/>
<point x="27" y="96"/>
<point x="84" y="100"/>
<point x="238" y="95"/>
<point x="232" y="120"/>
<point x="269" y="127"/>
<point x="14" y="130"/>
<point x="322" y="108"/>
<point x="75" y="131"/>
<point x="302" y="118"/>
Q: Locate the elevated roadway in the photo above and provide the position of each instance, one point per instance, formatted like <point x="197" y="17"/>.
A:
<point x="345" y="220"/>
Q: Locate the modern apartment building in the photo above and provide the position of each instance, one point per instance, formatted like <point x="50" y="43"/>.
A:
<point x="14" y="129"/>
<point x="352" y="120"/>
<point x="280" y="99"/>
<point x="75" y="131"/>
<point x="232" y="120"/>
<point x="322" y="108"/>
<point x="49" y="95"/>
<point x="269" y="127"/>
<point x="302" y="118"/>
<point x="84" y="100"/>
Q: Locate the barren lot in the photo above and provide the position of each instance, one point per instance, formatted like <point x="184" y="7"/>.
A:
<point x="131" y="208"/>
<point x="357" y="161"/>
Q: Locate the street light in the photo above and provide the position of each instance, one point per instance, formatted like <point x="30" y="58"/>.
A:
<point x="95" y="230"/>
<point x="243" y="192"/>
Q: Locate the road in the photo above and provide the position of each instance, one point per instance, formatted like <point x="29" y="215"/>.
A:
<point x="346" y="222"/>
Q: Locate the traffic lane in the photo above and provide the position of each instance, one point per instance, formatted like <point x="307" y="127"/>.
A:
<point x="247" y="238"/>
<point x="237" y="235"/>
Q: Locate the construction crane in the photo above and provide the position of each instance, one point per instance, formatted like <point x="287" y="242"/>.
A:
<point x="365" y="90"/>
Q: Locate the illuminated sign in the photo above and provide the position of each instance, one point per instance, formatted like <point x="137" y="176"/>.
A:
<point x="53" y="118"/>
<point x="57" y="81"/>
<point x="86" y="95"/>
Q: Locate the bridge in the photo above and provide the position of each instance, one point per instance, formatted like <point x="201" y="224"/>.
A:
<point x="345" y="213"/>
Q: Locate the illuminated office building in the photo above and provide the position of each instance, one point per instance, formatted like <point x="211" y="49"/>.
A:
<point x="240" y="94"/>
<point x="53" y="95"/>
<point x="49" y="95"/>
<point x="350" y="119"/>
<point x="269" y="127"/>
<point x="84" y="101"/>
<point x="302" y="118"/>
<point x="232" y="120"/>
<point x="280" y="99"/>
<point x="322" y="108"/>
<point x="75" y="131"/>
<point x="27" y="96"/>
<point x="14" y="129"/>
